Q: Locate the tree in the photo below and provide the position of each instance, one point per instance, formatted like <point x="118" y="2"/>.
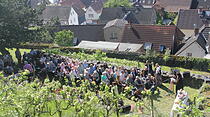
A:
<point x="64" y="38"/>
<point x="16" y="20"/>
<point x="117" y="3"/>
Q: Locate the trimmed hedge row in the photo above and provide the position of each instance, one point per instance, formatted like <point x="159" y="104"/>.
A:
<point x="200" y="64"/>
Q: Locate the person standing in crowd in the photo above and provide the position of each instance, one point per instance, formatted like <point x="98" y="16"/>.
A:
<point x="122" y="76"/>
<point x="148" y="68"/>
<point x="18" y="56"/>
<point x="179" y="82"/>
<point x="158" y="73"/>
<point x="172" y="82"/>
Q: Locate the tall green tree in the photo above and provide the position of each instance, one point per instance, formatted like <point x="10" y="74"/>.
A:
<point x="117" y="3"/>
<point x="16" y="21"/>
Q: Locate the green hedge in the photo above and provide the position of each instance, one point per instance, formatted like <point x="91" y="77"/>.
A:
<point x="200" y="64"/>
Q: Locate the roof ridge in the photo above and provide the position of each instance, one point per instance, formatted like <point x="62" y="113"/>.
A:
<point x="153" y="25"/>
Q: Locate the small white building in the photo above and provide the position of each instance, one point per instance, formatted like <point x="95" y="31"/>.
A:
<point x="194" y="47"/>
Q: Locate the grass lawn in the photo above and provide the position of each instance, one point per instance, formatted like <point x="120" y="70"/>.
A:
<point x="164" y="103"/>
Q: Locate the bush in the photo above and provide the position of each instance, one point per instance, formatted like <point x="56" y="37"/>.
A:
<point x="64" y="38"/>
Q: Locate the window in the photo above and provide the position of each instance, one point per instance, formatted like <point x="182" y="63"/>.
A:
<point x="75" y="41"/>
<point x="90" y="15"/>
<point x="113" y="35"/>
<point x="162" y="48"/>
<point x="189" y="54"/>
<point x="147" y="46"/>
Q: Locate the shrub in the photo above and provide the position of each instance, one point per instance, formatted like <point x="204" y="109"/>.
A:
<point x="64" y="38"/>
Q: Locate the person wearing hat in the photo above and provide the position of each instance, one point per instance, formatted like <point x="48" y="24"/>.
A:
<point x="104" y="78"/>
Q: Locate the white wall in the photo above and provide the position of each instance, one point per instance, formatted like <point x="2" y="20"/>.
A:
<point x="91" y="11"/>
<point x="73" y="18"/>
<point x="195" y="49"/>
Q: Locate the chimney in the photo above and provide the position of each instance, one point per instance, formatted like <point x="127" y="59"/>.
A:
<point x="196" y="31"/>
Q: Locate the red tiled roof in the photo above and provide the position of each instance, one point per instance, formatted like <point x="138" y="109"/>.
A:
<point x="76" y="3"/>
<point x="155" y="34"/>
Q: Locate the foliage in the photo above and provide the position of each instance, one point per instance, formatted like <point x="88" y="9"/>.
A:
<point x="150" y="53"/>
<point x="117" y="3"/>
<point x="170" y="15"/>
<point x="159" y="19"/>
<point x="17" y="22"/>
<point x="194" y="109"/>
<point x="99" y="55"/>
<point x="64" y="38"/>
<point x="162" y="15"/>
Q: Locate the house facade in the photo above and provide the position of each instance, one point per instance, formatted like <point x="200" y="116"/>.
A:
<point x="113" y="30"/>
<point x="93" y="12"/>
<point x="77" y="16"/>
<point x="194" y="47"/>
<point x="194" y="50"/>
<point x="73" y="19"/>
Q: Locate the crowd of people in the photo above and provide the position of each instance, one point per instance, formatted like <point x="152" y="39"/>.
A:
<point x="60" y="68"/>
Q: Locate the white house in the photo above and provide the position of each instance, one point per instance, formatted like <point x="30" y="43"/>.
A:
<point x="93" y="12"/>
<point x="194" y="47"/>
<point x="77" y="16"/>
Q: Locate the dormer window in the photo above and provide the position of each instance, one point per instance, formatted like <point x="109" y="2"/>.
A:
<point x="162" y="48"/>
<point x="147" y="46"/>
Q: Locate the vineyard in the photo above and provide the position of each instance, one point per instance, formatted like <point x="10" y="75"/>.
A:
<point x="20" y="98"/>
<point x="25" y="96"/>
